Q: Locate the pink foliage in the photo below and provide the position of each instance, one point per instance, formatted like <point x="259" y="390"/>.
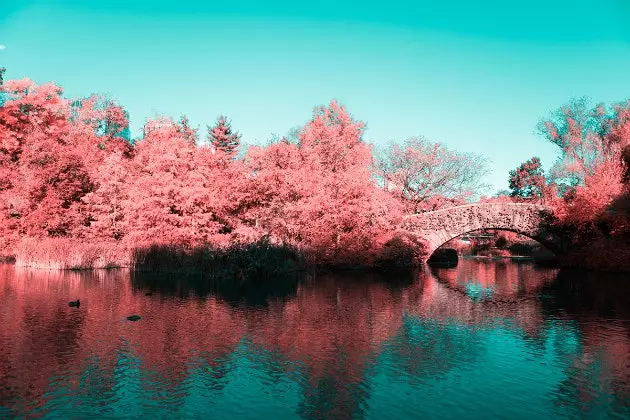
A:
<point x="591" y="200"/>
<point x="320" y="195"/>
<point x="68" y="169"/>
<point x="174" y="195"/>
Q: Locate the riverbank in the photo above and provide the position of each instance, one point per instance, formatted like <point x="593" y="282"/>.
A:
<point x="262" y="259"/>
<point x="601" y="255"/>
<point x="241" y="262"/>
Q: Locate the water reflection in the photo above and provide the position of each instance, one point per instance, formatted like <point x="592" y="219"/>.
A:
<point x="485" y="339"/>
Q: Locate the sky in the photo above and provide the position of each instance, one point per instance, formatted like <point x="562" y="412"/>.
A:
<point x="476" y="76"/>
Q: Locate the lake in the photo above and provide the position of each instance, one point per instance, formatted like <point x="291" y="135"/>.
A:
<point x="485" y="340"/>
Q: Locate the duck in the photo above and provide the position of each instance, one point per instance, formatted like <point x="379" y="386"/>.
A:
<point x="133" y="317"/>
<point x="75" y="303"/>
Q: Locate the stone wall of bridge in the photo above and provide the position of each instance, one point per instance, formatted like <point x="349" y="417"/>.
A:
<point x="532" y="220"/>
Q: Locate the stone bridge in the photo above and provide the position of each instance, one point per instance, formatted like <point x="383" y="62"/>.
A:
<point x="532" y="220"/>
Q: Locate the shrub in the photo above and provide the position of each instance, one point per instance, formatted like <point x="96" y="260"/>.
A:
<point x="402" y="250"/>
<point x="501" y="242"/>
<point x="241" y="262"/>
<point x="521" y="249"/>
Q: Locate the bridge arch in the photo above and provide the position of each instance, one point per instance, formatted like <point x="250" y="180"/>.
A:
<point x="440" y="226"/>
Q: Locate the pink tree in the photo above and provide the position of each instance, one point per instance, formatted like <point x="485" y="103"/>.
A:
<point x="178" y="192"/>
<point x="592" y="167"/>
<point x="320" y="194"/>
<point x="274" y="190"/>
<point x="53" y="148"/>
<point x="40" y="177"/>
<point x="105" y="211"/>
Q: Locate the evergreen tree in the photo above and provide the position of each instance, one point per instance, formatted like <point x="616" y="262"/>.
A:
<point x="223" y="138"/>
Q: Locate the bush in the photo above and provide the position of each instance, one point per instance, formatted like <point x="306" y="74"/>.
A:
<point x="403" y="250"/>
<point x="256" y="261"/>
<point x="521" y="249"/>
<point x="501" y="242"/>
<point x="605" y="254"/>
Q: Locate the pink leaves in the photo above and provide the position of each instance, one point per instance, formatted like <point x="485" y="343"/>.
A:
<point x="66" y="169"/>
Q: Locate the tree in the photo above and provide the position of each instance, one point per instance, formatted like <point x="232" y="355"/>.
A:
<point x="187" y="131"/>
<point x="589" y="202"/>
<point x="427" y="176"/>
<point x="178" y="193"/>
<point x="42" y="171"/>
<point x="320" y="194"/>
<point x="528" y="180"/>
<point x="223" y="138"/>
<point x="106" y="214"/>
<point x="587" y="136"/>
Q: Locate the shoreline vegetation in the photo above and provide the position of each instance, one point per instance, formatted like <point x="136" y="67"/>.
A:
<point x="78" y="192"/>
<point x="254" y="261"/>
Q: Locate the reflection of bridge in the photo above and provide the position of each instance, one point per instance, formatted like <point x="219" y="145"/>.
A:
<point x="440" y="226"/>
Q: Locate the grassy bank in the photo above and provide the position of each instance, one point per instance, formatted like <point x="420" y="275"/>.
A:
<point x="66" y="254"/>
<point x="256" y="261"/>
<point x="250" y="261"/>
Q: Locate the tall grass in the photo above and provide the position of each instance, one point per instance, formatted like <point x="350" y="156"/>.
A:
<point x="68" y="254"/>
<point x="241" y="262"/>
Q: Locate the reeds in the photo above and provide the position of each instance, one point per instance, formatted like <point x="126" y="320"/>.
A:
<point x="69" y="254"/>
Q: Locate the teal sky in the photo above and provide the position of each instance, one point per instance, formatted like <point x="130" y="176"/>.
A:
<point x="475" y="75"/>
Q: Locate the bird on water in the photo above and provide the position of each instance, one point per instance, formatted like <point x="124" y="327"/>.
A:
<point x="75" y="303"/>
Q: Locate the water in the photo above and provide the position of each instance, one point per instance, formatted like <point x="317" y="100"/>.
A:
<point x="485" y="340"/>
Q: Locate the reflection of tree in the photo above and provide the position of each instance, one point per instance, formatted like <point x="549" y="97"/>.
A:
<point x="334" y="328"/>
<point x="507" y="280"/>
<point x="508" y="294"/>
<point x="36" y="336"/>
<point x="597" y="380"/>
<point x="80" y="353"/>
<point x="316" y="345"/>
<point x="232" y="292"/>
<point x="596" y="302"/>
<point x="428" y="349"/>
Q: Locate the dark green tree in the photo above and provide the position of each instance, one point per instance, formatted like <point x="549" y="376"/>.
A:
<point x="223" y="138"/>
